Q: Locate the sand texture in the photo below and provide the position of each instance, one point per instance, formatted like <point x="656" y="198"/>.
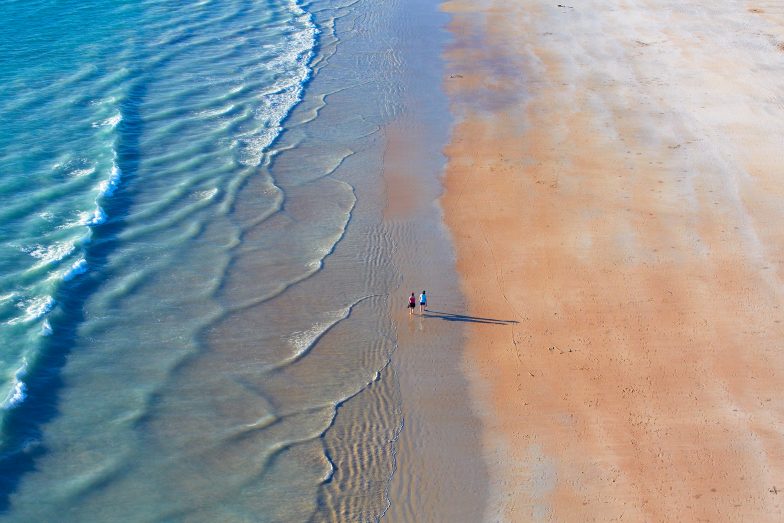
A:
<point x="615" y="186"/>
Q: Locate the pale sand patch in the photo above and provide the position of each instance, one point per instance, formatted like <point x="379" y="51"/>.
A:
<point x="616" y="185"/>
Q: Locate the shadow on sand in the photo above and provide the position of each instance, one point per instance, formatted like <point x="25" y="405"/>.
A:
<point x="449" y="316"/>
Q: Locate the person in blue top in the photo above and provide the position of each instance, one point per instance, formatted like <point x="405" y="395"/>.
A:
<point x="422" y="302"/>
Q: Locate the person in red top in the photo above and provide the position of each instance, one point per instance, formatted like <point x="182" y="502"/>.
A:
<point x="411" y="303"/>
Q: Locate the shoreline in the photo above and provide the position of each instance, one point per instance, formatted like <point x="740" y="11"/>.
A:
<point x="612" y="189"/>
<point x="440" y="474"/>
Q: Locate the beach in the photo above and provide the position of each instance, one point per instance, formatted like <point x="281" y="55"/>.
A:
<point x="613" y="189"/>
<point x="214" y="213"/>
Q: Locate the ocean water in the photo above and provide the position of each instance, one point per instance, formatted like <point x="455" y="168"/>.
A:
<point x="194" y="275"/>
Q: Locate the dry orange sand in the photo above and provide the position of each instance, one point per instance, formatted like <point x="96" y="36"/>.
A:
<point x="615" y="185"/>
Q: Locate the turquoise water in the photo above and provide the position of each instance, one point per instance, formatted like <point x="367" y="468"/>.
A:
<point x="194" y="278"/>
<point x="101" y="98"/>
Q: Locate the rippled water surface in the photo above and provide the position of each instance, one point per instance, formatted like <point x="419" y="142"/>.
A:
<point x="193" y="274"/>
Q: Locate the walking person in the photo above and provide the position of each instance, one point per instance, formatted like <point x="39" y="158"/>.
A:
<point x="411" y="304"/>
<point x="422" y="302"/>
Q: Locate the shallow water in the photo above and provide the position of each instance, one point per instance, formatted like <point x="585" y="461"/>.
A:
<point x="196" y="275"/>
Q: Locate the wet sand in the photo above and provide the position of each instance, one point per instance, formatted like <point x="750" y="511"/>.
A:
<point x="615" y="189"/>
<point x="440" y="474"/>
<point x="439" y="471"/>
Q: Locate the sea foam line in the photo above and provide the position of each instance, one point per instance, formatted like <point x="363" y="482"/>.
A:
<point x="79" y="267"/>
<point x="106" y="189"/>
<point x="278" y="103"/>
<point x="112" y="121"/>
<point x="304" y="341"/>
<point x="34" y="309"/>
<point x="39" y="307"/>
<point x="50" y="253"/>
<point x="18" y="392"/>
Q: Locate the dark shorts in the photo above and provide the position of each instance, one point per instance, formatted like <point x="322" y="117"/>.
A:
<point x="411" y="305"/>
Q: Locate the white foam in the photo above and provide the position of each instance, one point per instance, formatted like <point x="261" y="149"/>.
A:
<point x="38" y="307"/>
<point x="103" y="101"/>
<point x="50" y="253"/>
<point x="78" y="173"/>
<point x="46" y="328"/>
<point x="330" y="473"/>
<point x="107" y="187"/>
<point x="206" y="195"/>
<point x="209" y="113"/>
<point x="33" y="309"/>
<point x="78" y="222"/>
<point x="112" y="121"/>
<point x="18" y="395"/>
<point x="97" y="217"/>
<point x="74" y="167"/>
<point x="19" y="392"/>
<point x="303" y="341"/>
<point x="79" y="267"/>
<point x="252" y="147"/>
<point x="276" y="104"/>
<point x="81" y="219"/>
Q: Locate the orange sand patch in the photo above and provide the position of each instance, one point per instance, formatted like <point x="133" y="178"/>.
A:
<point x="616" y="185"/>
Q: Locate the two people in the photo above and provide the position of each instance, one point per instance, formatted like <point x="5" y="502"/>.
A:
<point x="422" y="303"/>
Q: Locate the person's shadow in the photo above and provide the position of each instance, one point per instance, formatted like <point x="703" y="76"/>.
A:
<point x="450" y="316"/>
